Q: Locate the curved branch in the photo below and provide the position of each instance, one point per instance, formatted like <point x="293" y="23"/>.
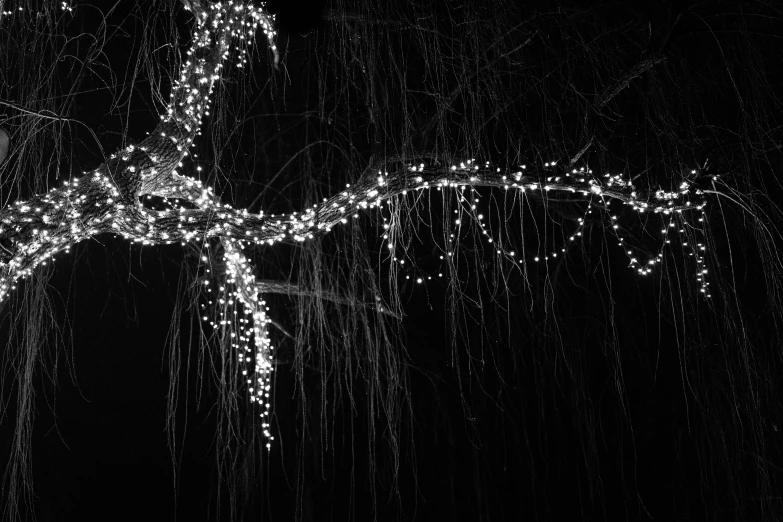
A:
<point x="95" y="205"/>
<point x="224" y="221"/>
<point x="634" y="72"/>
<point x="107" y="199"/>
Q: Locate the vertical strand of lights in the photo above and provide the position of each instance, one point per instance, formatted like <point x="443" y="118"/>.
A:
<point x="258" y="358"/>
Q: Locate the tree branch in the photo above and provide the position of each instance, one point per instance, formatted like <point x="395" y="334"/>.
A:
<point x="5" y="141"/>
<point x="634" y="72"/>
<point x="373" y="188"/>
<point x="106" y="199"/>
<point x="267" y="286"/>
<point x="93" y="206"/>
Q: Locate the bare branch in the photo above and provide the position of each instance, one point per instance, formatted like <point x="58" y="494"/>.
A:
<point x="5" y="142"/>
<point x="581" y="153"/>
<point x="634" y="72"/>
<point x="267" y="286"/>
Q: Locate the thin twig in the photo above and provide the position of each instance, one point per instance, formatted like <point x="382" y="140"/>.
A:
<point x="266" y="286"/>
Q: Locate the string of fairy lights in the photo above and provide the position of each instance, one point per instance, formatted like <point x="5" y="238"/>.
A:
<point x="107" y="200"/>
<point x="669" y="205"/>
<point x="64" y="6"/>
<point x="251" y="342"/>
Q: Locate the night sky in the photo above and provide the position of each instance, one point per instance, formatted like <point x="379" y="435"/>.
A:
<point x="497" y="435"/>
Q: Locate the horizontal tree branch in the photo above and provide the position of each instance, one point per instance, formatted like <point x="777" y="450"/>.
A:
<point x="34" y="230"/>
<point x="634" y="72"/>
<point x="267" y="286"/>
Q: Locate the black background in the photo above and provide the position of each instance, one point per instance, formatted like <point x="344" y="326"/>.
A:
<point x="100" y="449"/>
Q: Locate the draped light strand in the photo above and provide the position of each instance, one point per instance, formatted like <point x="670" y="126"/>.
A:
<point x="259" y="358"/>
<point x="670" y="206"/>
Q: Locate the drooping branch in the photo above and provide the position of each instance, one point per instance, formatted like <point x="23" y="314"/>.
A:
<point x="240" y="274"/>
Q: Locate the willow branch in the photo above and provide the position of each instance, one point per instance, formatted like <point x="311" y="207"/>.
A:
<point x="371" y="190"/>
<point x="94" y="205"/>
<point x="266" y="286"/>
<point x="634" y="72"/>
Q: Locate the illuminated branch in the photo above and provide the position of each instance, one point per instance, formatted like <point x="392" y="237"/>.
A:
<point x="241" y="276"/>
<point x="107" y="199"/>
<point x="34" y="230"/>
<point x="220" y="220"/>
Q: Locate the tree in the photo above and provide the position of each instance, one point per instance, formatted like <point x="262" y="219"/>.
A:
<point x="532" y="250"/>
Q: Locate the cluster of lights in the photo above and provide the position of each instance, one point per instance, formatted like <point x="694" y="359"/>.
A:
<point x="217" y="26"/>
<point x="251" y="343"/>
<point x="10" y="12"/>
<point x="65" y="6"/>
<point x="240" y="274"/>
